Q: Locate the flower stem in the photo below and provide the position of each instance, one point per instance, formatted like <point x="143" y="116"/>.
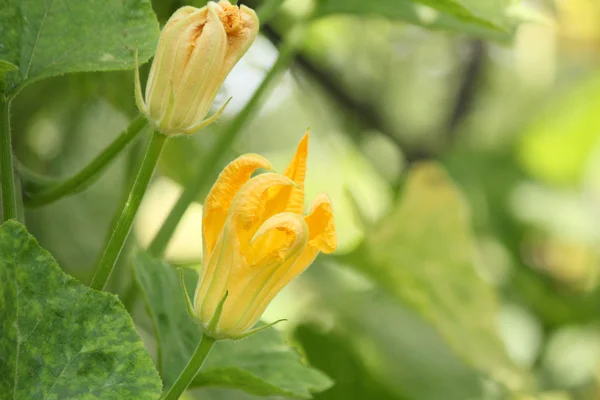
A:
<point x="9" y="194"/>
<point x="88" y="175"/>
<point x="130" y="207"/>
<point x="226" y="138"/>
<point x="191" y="369"/>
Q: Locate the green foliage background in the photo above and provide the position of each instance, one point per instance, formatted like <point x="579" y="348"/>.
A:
<point x="458" y="140"/>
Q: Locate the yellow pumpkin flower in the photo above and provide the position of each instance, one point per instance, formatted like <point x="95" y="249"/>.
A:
<point x="196" y="50"/>
<point x="256" y="239"/>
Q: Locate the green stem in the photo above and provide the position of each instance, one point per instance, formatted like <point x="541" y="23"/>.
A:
<point x="130" y="207"/>
<point x="9" y="194"/>
<point x="88" y="175"/>
<point x="225" y="140"/>
<point x="191" y="369"/>
<point x="267" y="10"/>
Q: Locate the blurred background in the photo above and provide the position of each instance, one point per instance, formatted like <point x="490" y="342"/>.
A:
<point x="464" y="169"/>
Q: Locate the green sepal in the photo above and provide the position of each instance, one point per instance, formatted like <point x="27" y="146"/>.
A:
<point x="188" y="301"/>
<point x="256" y="330"/>
<point x="139" y="97"/>
<point x="168" y="112"/>
<point x="206" y="122"/>
<point x="214" y="321"/>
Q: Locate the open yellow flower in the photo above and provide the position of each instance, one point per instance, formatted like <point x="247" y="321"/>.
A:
<point x="256" y="239"/>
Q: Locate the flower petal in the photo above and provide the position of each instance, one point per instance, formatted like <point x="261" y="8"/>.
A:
<point x="214" y="275"/>
<point x="272" y="252"/>
<point x="220" y="197"/>
<point x="296" y="171"/>
<point x="199" y="79"/>
<point x="250" y="207"/>
<point x="168" y="57"/>
<point x="242" y="27"/>
<point x="322" y="237"/>
<point x="321" y="225"/>
<point x="276" y="238"/>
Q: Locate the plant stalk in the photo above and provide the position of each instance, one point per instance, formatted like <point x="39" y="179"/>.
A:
<point x="130" y="207"/>
<point x="191" y="369"/>
<point x="9" y="193"/>
<point x="90" y="173"/>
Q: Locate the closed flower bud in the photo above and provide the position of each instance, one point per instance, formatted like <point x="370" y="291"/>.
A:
<point x="256" y="239"/>
<point x="197" y="49"/>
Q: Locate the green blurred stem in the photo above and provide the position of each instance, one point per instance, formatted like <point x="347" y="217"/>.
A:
<point x="130" y="207"/>
<point x="9" y="193"/>
<point x="286" y="54"/>
<point x="90" y="173"/>
<point x="191" y="369"/>
<point x="268" y="9"/>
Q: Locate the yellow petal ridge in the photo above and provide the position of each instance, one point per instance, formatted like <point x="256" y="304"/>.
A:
<point x="220" y="197"/>
<point x="273" y="251"/>
<point x="296" y="171"/>
<point x="321" y="237"/>
<point x="250" y="208"/>
<point x="276" y="238"/>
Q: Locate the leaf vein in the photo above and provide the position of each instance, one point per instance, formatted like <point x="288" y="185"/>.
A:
<point x="37" y="38"/>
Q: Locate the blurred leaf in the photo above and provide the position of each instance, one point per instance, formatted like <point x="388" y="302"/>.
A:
<point x="80" y="129"/>
<point x="424" y="254"/>
<point x="333" y="354"/>
<point x="489" y="179"/>
<point x="481" y="18"/>
<point x="61" y="339"/>
<point x="47" y="38"/>
<point x="261" y="364"/>
<point x="404" y="353"/>
<point x="558" y="144"/>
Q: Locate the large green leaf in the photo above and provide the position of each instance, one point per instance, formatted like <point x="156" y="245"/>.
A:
<point x="423" y="253"/>
<point x="58" y="338"/>
<point x="485" y="18"/>
<point x="261" y="364"/>
<point x="402" y="353"/>
<point x="46" y="38"/>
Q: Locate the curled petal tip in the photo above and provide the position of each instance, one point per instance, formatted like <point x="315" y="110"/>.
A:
<point x="286" y="221"/>
<point x="321" y="225"/>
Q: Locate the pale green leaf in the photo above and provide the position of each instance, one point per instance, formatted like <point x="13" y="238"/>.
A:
<point x="423" y="253"/>
<point x="262" y="364"/>
<point x="46" y="38"/>
<point x="58" y="338"/>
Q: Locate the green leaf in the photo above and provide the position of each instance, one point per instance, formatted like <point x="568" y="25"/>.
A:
<point x="60" y="339"/>
<point x="334" y="354"/>
<point x="262" y="364"/>
<point x="46" y="38"/>
<point x="486" y="18"/>
<point x="5" y="68"/>
<point x="405" y="354"/>
<point x="423" y="253"/>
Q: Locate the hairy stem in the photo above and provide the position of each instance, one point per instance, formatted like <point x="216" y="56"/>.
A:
<point x="127" y="215"/>
<point x="191" y="369"/>
<point x="9" y="194"/>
